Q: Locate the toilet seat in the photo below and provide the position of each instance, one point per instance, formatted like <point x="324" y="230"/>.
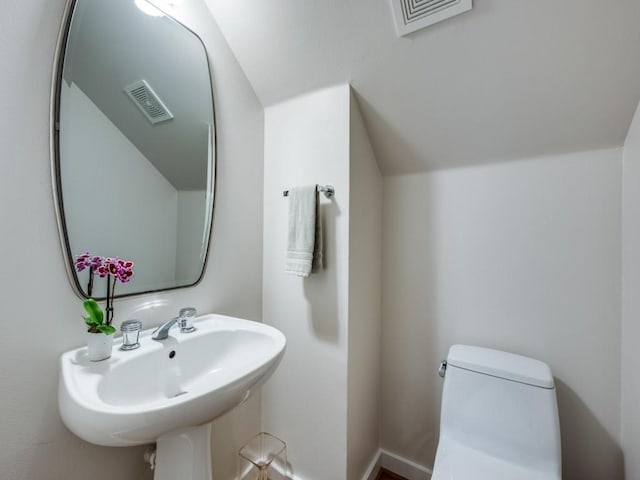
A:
<point x="458" y="462"/>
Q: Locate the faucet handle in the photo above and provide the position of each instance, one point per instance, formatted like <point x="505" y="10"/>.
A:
<point x="130" y="331"/>
<point x="186" y="318"/>
<point x="187" y="312"/>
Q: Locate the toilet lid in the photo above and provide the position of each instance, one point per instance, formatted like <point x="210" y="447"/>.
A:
<point x="457" y="462"/>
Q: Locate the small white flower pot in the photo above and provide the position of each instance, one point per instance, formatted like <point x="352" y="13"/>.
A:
<point x="99" y="346"/>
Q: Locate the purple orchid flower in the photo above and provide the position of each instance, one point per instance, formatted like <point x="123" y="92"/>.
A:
<point x="125" y="270"/>
<point x="102" y="271"/>
<point x="121" y="270"/>
<point x="86" y="260"/>
<point x="95" y="261"/>
<point x="83" y="261"/>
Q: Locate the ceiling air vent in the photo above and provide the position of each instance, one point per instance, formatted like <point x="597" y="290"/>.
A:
<point x="412" y="15"/>
<point x="148" y="102"/>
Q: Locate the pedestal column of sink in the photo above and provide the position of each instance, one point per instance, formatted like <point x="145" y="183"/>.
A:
<point x="184" y="454"/>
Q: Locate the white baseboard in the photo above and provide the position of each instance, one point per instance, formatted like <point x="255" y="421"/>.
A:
<point x="374" y="466"/>
<point x="397" y="464"/>
<point x="394" y="463"/>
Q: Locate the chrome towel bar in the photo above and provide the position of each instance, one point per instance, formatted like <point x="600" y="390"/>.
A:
<point x="328" y="191"/>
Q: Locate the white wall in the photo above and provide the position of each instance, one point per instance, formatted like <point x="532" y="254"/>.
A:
<point x="323" y="399"/>
<point x="523" y="257"/>
<point x="36" y="297"/>
<point x="95" y="156"/>
<point x="305" y="402"/>
<point x="630" y="300"/>
<point x="365" y="258"/>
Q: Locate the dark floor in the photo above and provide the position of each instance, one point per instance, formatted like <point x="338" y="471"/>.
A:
<point x="384" y="474"/>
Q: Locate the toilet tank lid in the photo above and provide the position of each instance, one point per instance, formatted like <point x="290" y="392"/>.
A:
<point x="501" y="364"/>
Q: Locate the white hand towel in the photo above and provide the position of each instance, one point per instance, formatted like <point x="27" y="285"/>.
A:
<point x="304" y="249"/>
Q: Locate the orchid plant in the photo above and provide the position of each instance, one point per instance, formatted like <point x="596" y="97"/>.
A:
<point x="115" y="270"/>
<point x="95" y="320"/>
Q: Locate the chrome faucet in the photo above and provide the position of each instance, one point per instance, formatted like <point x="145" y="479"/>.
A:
<point x="184" y="320"/>
<point x="162" y="332"/>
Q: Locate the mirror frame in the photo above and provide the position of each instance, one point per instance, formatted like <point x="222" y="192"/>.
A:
<point x="54" y="153"/>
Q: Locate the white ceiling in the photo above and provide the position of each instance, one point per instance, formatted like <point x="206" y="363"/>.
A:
<point x="509" y="79"/>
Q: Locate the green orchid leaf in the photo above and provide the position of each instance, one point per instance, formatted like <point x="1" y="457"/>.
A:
<point x="90" y="321"/>
<point x="107" y="329"/>
<point x="94" y="310"/>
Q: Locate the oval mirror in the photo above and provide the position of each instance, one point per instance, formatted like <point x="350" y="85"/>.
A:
<point x="134" y="144"/>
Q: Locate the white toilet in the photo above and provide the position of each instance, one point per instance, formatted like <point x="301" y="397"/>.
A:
<point x="499" y="418"/>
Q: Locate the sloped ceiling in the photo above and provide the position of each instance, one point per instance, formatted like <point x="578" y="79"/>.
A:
<point x="509" y="79"/>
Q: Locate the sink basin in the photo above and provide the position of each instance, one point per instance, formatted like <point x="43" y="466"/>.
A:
<point x="187" y="380"/>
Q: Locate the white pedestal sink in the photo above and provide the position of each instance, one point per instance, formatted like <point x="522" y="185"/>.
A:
<point x="169" y="391"/>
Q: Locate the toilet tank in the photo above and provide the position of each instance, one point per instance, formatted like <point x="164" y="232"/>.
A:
<point x="503" y="405"/>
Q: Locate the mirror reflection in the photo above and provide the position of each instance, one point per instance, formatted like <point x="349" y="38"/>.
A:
<point x="136" y="144"/>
